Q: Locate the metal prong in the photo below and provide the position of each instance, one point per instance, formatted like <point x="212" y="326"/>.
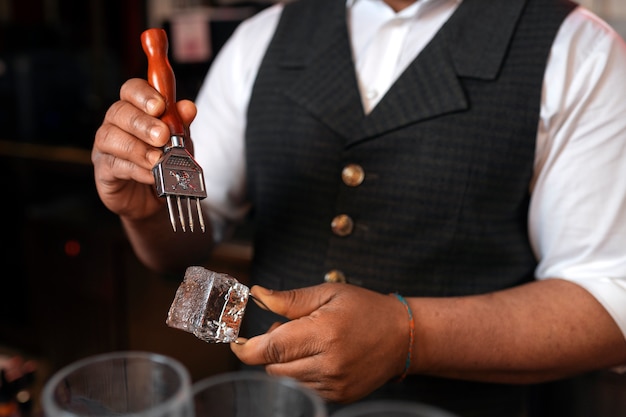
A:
<point x="259" y="302"/>
<point x="200" y="217"/>
<point x="170" y="209"/>
<point x="178" y="175"/>
<point x="181" y="216"/>
<point x="190" y="214"/>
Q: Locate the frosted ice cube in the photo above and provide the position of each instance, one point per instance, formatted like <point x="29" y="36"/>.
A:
<point x="209" y="304"/>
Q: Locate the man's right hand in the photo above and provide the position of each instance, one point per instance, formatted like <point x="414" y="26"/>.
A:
<point x="128" y="144"/>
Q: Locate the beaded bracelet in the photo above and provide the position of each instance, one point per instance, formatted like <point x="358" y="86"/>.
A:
<point x="407" y="363"/>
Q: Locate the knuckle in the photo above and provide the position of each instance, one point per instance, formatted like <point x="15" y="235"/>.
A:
<point x="291" y="297"/>
<point x="274" y="352"/>
<point x="135" y="121"/>
<point x="105" y="140"/>
<point x="112" y="111"/>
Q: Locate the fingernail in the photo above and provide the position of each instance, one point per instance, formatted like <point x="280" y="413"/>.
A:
<point x="155" y="133"/>
<point x="259" y="291"/>
<point x="240" y="341"/>
<point x="152" y="106"/>
<point x="154" y="156"/>
<point x="260" y="303"/>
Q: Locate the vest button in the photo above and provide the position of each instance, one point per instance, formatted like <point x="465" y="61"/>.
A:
<point x="353" y="175"/>
<point x="342" y="225"/>
<point x="335" y="276"/>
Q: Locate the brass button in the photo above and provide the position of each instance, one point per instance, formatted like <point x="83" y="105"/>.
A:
<point x="353" y="175"/>
<point x="342" y="225"/>
<point x="335" y="276"/>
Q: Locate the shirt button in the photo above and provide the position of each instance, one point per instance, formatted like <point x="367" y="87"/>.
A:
<point x="353" y="175"/>
<point x="342" y="225"/>
<point x="335" y="276"/>
<point x="371" y="93"/>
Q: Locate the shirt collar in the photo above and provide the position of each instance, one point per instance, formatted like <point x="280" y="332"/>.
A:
<point x="411" y="10"/>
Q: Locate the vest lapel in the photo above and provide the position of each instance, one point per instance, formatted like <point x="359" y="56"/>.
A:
<point x="473" y="43"/>
<point x="325" y="83"/>
<point x="433" y="76"/>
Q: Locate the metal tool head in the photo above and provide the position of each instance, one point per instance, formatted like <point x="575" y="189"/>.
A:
<point x="180" y="180"/>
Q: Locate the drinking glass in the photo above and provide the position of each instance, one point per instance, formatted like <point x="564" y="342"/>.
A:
<point x="255" y="394"/>
<point x="122" y="384"/>
<point x="391" y="408"/>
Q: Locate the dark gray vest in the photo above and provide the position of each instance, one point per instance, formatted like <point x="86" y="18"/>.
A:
<point x="448" y="154"/>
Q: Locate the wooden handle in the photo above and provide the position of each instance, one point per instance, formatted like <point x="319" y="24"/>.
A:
<point x="161" y="76"/>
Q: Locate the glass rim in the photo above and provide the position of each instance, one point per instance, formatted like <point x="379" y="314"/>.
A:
<point x="182" y="395"/>
<point x="317" y="402"/>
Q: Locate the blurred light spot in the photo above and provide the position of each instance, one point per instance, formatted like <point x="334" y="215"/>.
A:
<point x="72" y="248"/>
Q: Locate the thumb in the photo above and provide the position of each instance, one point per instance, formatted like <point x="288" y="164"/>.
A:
<point x="187" y="111"/>
<point x="292" y="304"/>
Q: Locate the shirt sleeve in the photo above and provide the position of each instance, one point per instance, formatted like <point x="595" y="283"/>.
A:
<point x="577" y="218"/>
<point x="218" y="130"/>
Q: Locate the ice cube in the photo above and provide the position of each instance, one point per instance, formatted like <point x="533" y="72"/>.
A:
<point x="208" y="304"/>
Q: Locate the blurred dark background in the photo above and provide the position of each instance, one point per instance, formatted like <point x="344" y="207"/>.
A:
<point x="62" y="63"/>
<point x="71" y="286"/>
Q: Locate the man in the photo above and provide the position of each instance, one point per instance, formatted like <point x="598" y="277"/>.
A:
<point x="467" y="156"/>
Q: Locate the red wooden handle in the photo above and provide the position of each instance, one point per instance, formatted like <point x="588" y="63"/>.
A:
<point x="161" y="76"/>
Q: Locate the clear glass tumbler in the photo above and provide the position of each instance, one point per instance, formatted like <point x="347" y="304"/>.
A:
<point x="255" y="394"/>
<point x="122" y="384"/>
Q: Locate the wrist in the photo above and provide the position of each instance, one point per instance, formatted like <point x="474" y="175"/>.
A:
<point x="410" y="336"/>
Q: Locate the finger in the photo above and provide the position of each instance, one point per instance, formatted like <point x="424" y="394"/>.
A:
<point x="109" y="169"/>
<point x="290" y="341"/>
<point x="128" y="151"/>
<point x="187" y="111"/>
<point x="242" y="340"/>
<point x="296" y="303"/>
<point x="327" y="378"/>
<point x="305" y="370"/>
<point x="274" y="326"/>
<point x="136" y="122"/>
<point x="309" y="373"/>
<point x="143" y="96"/>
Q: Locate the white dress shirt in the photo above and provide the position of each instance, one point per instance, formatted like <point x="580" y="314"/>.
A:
<point x="577" y="217"/>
